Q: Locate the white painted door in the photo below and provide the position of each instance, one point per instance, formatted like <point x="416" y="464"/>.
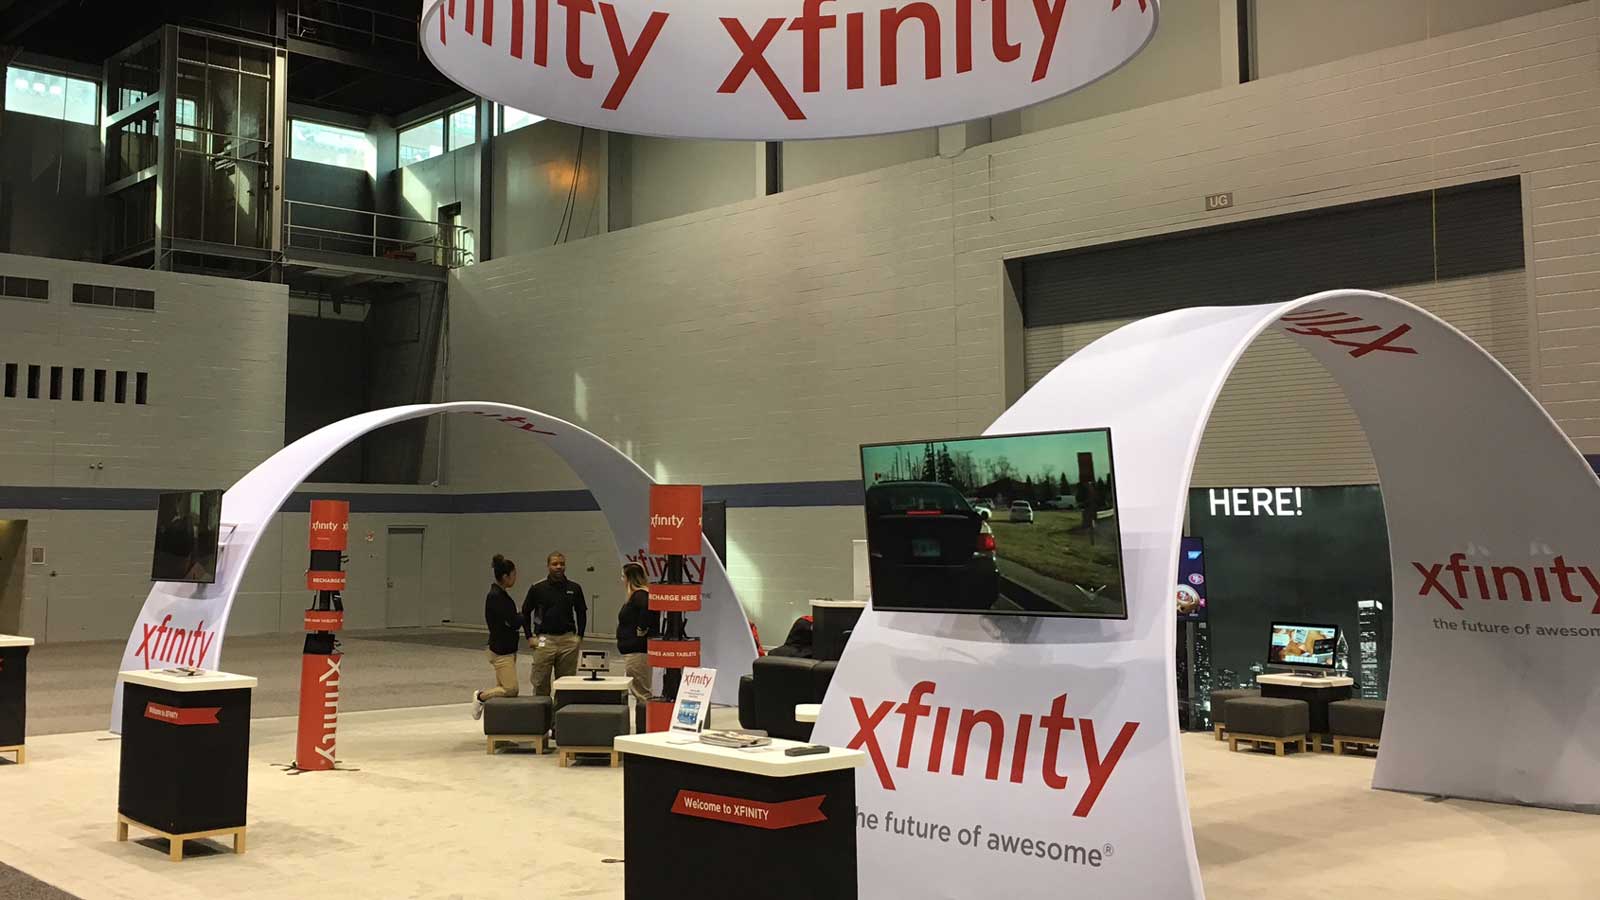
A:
<point x="404" y="578"/>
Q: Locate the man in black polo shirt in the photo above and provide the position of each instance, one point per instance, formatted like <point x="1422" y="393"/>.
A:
<point x="555" y="612"/>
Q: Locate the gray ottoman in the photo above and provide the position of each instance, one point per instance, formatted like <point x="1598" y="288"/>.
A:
<point x="1219" y="702"/>
<point x="583" y="728"/>
<point x="1355" y="723"/>
<point x="1267" y="720"/>
<point x="516" y="720"/>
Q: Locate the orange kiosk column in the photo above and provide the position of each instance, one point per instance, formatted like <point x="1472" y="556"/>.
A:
<point x="674" y="533"/>
<point x="320" y="661"/>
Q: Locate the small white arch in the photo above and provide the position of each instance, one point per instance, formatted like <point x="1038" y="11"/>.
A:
<point x="619" y="486"/>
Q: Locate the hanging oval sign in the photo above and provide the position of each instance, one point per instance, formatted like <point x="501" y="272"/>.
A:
<point x="779" y="69"/>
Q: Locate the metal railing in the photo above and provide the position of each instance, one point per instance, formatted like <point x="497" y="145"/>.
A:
<point x="376" y="235"/>
<point x="341" y="23"/>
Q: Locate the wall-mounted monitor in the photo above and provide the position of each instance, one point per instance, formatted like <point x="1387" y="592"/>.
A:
<point x="188" y="526"/>
<point x="1022" y="524"/>
<point x="1191" y="592"/>
<point x="1303" y="646"/>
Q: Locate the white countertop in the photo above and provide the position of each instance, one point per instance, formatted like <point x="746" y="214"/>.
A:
<point x="1331" y="681"/>
<point x="209" y="681"/>
<point x="841" y="604"/>
<point x="768" y="760"/>
<point x="15" y="640"/>
<point x="582" y="683"/>
<point x="807" y="712"/>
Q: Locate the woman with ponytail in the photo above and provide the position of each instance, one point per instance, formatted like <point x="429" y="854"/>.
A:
<point x="501" y="615"/>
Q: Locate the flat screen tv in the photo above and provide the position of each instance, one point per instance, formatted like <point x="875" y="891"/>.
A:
<point x="1021" y="525"/>
<point x="188" y="524"/>
<point x="1303" y="646"/>
<point x="1191" y="593"/>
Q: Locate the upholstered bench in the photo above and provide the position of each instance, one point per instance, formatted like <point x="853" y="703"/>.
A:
<point x="1219" y="703"/>
<point x="516" y="720"/>
<point x="584" y="728"/>
<point x="1355" y="723"/>
<point x="1267" y="720"/>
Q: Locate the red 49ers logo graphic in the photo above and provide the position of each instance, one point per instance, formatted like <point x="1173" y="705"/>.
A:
<point x="1347" y="330"/>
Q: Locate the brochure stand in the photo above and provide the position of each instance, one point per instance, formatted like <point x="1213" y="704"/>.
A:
<point x="185" y="756"/>
<point x="14" y="695"/>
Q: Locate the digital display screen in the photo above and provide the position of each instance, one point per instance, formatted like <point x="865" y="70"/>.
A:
<point x="1303" y="645"/>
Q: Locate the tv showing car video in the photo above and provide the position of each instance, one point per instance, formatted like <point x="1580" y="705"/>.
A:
<point x="1022" y="525"/>
<point x="1311" y="646"/>
<point x="188" y="524"/>
<point x="1191" y="580"/>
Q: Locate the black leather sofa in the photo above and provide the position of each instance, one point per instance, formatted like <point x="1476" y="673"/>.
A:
<point x="776" y="684"/>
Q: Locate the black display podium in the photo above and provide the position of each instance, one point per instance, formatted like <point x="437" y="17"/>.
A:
<point x="1316" y="692"/>
<point x="760" y="823"/>
<point x="14" y="695"/>
<point x="185" y="756"/>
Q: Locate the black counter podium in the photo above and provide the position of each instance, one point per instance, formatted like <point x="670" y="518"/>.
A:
<point x="14" y="695"/>
<point x="757" y="822"/>
<point x="185" y="756"/>
<point x="1316" y="692"/>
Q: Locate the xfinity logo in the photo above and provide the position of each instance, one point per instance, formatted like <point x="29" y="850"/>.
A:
<point x="174" y="645"/>
<point x="330" y="526"/>
<point x="697" y="679"/>
<point x="673" y="521"/>
<point x="1055" y="724"/>
<point x="1454" y="581"/>
<point x="330" y="707"/>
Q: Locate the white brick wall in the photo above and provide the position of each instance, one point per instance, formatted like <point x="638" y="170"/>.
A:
<point x="214" y="349"/>
<point x="764" y="340"/>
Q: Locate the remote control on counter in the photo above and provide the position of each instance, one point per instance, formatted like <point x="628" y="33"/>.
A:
<point x="806" y="751"/>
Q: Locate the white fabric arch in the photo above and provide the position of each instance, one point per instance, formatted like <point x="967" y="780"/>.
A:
<point x="1475" y="475"/>
<point x="185" y="623"/>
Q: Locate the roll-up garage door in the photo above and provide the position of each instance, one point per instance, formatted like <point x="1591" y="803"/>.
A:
<point x="1457" y="253"/>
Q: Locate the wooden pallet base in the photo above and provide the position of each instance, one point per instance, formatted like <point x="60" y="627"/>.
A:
<point x="20" y="750"/>
<point x="1260" y="740"/>
<point x="175" y="841"/>
<point x="537" y="740"/>
<point x="568" y="753"/>
<point x="1219" y="729"/>
<point x="1341" y="742"/>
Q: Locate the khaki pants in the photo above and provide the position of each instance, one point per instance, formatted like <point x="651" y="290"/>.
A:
<point x="505" y="676"/>
<point x="637" y="667"/>
<point x="558" y="651"/>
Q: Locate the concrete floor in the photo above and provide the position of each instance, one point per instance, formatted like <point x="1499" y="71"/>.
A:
<point x="429" y="814"/>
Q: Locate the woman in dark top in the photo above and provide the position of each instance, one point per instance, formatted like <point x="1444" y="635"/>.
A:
<point x="501" y="615"/>
<point x="636" y="625"/>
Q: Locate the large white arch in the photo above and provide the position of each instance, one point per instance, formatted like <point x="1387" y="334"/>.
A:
<point x="1475" y="473"/>
<point x="619" y="486"/>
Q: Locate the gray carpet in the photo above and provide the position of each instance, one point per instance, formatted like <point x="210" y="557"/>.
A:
<point x="16" y="885"/>
<point x="69" y="685"/>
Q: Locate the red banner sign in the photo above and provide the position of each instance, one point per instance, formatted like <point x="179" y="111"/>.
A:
<point x="325" y="581"/>
<point x="675" y="519"/>
<point x="324" y="620"/>
<point x="330" y="524"/>
<point x="754" y="813"/>
<point x="174" y="715"/>
<point x="675" y="597"/>
<point x="675" y="654"/>
<point x="319" y="711"/>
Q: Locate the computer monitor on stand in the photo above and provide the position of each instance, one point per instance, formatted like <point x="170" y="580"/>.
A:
<point x="594" y="662"/>
<point x="1310" y="650"/>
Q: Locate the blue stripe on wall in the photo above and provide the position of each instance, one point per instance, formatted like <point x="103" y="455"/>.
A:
<point x="738" y="496"/>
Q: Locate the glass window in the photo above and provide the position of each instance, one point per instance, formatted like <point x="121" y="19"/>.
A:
<point x="52" y="96"/>
<point x="420" y="142"/>
<point x="188" y="114"/>
<point x="463" y="127"/>
<point x="511" y="119"/>
<point x="318" y="143"/>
